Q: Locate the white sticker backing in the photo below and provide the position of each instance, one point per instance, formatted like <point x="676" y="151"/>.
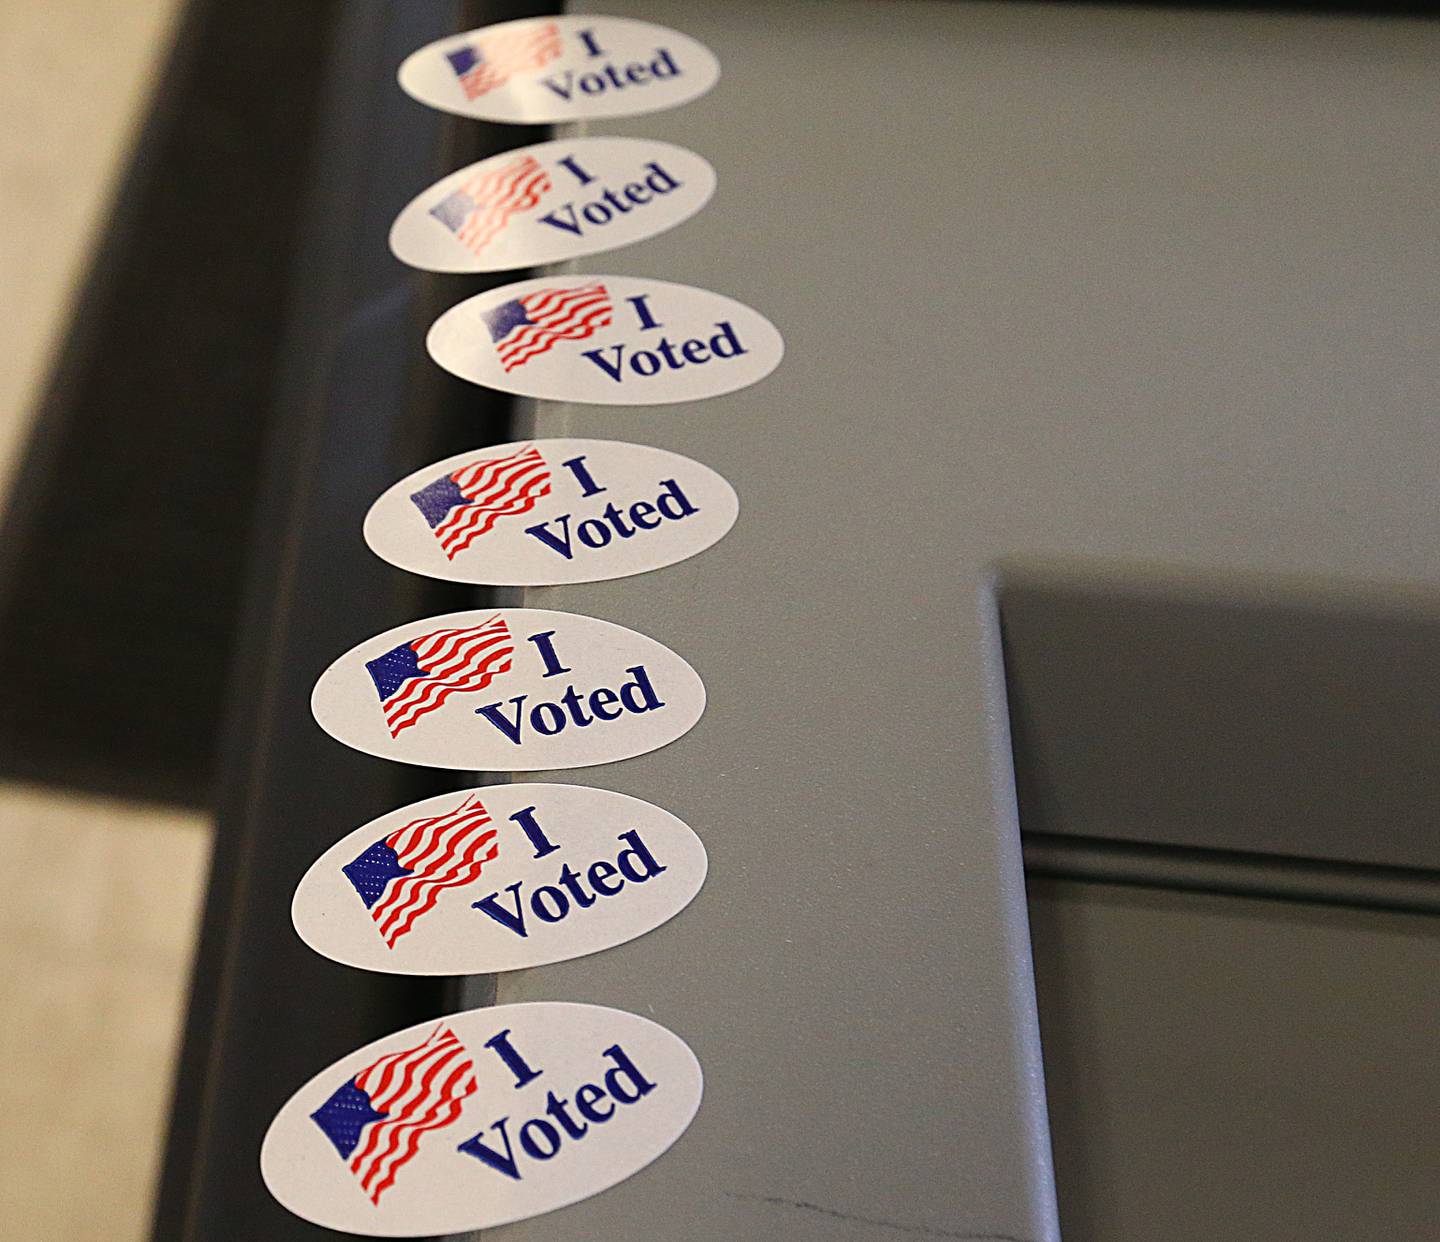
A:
<point x="551" y="511"/>
<point x="508" y="690"/>
<point x="539" y="71"/>
<point x="481" y="1118"/>
<point x="606" y="340"/>
<point x="551" y="202"/>
<point x="499" y="878"/>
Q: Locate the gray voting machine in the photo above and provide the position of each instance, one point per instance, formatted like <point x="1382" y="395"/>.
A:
<point x="1118" y="326"/>
<point x="1071" y="759"/>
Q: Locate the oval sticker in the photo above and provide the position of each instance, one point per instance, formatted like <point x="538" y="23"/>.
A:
<point x="551" y="511"/>
<point x="481" y="1118"/>
<point x="498" y="878"/>
<point x="551" y="202"/>
<point x="508" y="690"/>
<point x="539" y="71"/>
<point x="606" y="340"/>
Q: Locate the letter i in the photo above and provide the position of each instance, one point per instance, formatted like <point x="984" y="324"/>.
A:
<point x="577" y="467"/>
<point x="546" y="648"/>
<point x="587" y="37"/>
<point x="641" y="303"/>
<point x="530" y="826"/>
<point x="501" y="1046"/>
<point x="579" y="173"/>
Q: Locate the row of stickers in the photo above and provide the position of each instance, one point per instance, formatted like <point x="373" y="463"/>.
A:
<point x="502" y="1113"/>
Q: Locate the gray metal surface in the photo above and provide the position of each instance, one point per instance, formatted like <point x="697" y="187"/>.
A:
<point x="1237" y="1069"/>
<point x="1267" y="715"/>
<point x="1057" y="282"/>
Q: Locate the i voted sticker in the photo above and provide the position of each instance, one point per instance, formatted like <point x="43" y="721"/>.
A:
<point x="543" y="70"/>
<point x="513" y="690"/>
<point x="551" y="511"/>
<point x="551" y="202"/>
<point x="481" y="1118"/>
<point x="606" y="340"/>
<point x="498" y="878"/>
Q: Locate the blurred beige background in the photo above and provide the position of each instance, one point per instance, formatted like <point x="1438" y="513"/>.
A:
<point x="97" y="928"/>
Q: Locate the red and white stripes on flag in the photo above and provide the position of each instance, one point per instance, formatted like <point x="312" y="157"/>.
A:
<point x="456" y="662"/>
<point x="508" y="52"/>
<point x="496" y="195"/>
<point x="497" y="487"/>
<point x="555" y="315"/>
<point x="444" y="851"/>
<point x="418" y="1090"/>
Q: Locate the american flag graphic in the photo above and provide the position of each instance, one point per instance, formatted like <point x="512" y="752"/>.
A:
<point x="526" y="327"/>
<point x="416" y="678"/>
<point x="377" y="1119"/>
<point x="483" y="205"/>
<point x="492" y="61"/>
<point x="466" y="503"/>
<point x="400" y="877"/>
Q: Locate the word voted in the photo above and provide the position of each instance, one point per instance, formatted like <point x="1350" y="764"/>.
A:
<point x="565" y="1118"/>
<point x="553" y="903"/>
<point x="610" y="76"/>
<point x="622" y="360"/>
<point x="607" y="204"/>
<point x="594" y="533"/>
<point x="635" y="697"/>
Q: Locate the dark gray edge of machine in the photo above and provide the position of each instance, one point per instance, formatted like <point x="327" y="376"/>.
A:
<point x="1231" y="872"/>
<point x="359" y="405"/>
